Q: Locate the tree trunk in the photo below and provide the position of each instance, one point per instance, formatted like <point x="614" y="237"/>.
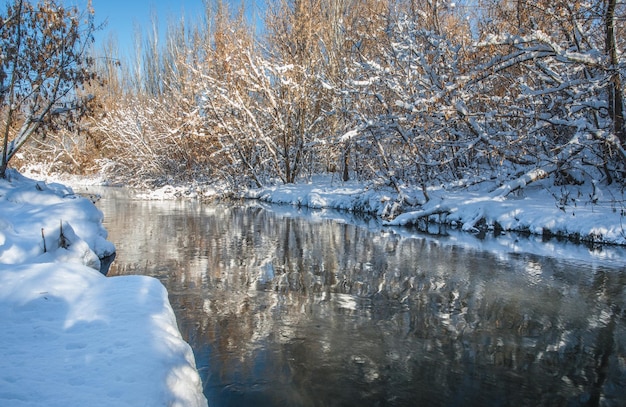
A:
<point x="615" y="91"/>
<point x="346" y="162"/>
<point x="9" y="120"/>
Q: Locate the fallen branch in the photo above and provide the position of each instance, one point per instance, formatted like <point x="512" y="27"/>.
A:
<point x="531" y="176"/>
<point x="411" y="218"/>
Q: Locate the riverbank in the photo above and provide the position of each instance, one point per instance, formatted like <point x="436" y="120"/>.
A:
<point x="592" y="213"/>
<point x="70" y="335"/>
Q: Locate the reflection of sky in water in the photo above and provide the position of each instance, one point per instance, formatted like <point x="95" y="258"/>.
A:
<point x="294" y="308"/>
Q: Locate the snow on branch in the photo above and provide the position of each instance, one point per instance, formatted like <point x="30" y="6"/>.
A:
<point x="525" y="44"/>
<point x="413" y="217"/>
<point x="533" y="175"/>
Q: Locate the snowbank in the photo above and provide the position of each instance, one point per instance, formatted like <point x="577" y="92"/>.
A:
<point x="324" y="193"/>
<point x="596" y="214"/>
<point x="35" y="213"/>
<point x="71" y="336"/>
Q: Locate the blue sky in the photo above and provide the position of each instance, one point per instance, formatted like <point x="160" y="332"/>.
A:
<point x="123" y="16"/>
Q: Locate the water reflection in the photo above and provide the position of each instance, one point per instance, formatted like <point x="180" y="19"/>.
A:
<point x="288" y="310"/>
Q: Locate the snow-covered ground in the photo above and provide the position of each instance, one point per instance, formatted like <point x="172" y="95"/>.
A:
<point x="589" y="213"/>
<point x="71" y="336"/>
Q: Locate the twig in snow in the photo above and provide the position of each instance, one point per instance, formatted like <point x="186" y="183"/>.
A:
<point x="63" y="242"/>
<point x="44" y="241"/>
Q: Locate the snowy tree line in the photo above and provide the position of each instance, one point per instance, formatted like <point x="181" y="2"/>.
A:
<point x="394" y="92"/>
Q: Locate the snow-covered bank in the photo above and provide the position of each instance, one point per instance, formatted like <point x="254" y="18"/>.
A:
<point x="591" y="212"/>
<point x="595" y="214"/>
<point x="71" y="336"/>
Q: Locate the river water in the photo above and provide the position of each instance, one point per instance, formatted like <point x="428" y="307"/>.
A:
<point x="288" y="307"/>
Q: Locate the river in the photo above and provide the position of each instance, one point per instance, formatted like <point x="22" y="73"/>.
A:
<point x="293" y="307"/>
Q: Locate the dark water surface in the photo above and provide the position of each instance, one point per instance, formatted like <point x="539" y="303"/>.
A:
<point x="290" y="308"/>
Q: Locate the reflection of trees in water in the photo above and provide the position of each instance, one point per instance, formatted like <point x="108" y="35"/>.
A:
<point x="386" y="319"/>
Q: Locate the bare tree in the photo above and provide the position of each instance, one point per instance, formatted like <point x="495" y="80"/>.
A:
<point x="615" y="90"/>
<point x="396" y="92"/>
<point x="44" y="64"/>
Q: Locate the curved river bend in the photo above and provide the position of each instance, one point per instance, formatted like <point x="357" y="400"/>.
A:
<point x="292" y="308"/>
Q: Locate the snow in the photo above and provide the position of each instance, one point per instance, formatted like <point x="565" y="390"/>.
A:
<point x="71" y="336"/>
<point x="539" y="209"/>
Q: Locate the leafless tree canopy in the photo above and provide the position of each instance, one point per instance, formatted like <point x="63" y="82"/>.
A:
<point x="394" y="92"/>
<point x="43" y="67"/>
